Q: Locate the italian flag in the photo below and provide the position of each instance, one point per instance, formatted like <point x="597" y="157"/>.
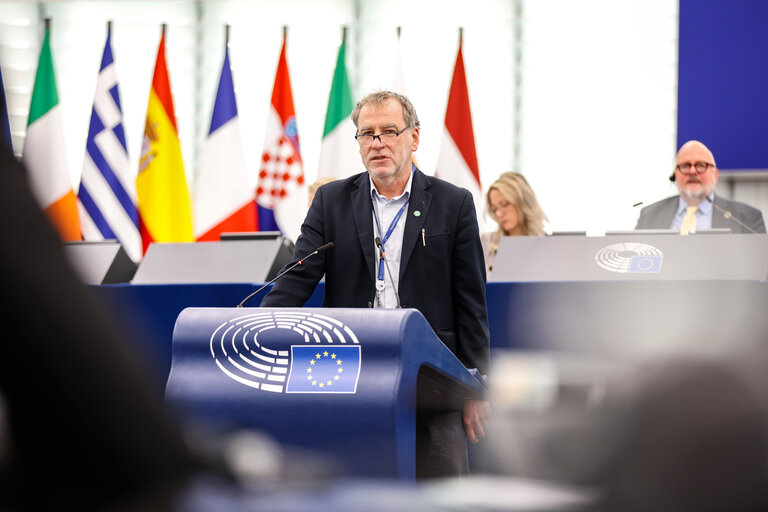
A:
<point x="43" y="154"/>
<point x="339" y="152"/>
<point x="163" y="198"/>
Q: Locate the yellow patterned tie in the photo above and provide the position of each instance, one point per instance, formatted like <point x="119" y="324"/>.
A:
<point x="689" y="222"/>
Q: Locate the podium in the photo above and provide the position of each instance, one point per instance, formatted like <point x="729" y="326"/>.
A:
<point x="629" y="293"/>
<point x="639" y="256"/>
<point x="345" y="384"/>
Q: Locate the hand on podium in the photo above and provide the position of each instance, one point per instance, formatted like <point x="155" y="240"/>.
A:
<point x="476" y="413"/>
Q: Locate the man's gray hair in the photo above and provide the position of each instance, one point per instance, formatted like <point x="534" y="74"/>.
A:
<point x="379" y="97"/>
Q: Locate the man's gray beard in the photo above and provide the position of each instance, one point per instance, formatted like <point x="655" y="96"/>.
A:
<point x="691" y="196"/>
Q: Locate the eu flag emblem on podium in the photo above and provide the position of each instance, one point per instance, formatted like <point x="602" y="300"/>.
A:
<point x="324" y="369"/>
<point x="643" y="264"/>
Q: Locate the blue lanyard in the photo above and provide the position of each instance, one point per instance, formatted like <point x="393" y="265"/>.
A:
<point x="384" y="239"/>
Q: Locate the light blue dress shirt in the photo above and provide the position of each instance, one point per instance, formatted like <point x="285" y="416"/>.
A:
<point x="387" y="209"/>
<point x="703" y="214"/>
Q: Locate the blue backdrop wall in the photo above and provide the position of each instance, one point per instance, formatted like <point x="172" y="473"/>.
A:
<point x="723" y="80"/>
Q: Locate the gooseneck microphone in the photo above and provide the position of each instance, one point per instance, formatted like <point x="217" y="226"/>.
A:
<point x="386" y="264"/>
<point x="281" y="274"/>
<point x="729" y="216"/>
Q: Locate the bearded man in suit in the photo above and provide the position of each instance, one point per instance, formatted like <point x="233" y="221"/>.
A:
<point x="696" y="176"/>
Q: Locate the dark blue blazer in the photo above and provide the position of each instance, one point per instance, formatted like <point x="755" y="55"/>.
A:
<point x="441" y="275"/>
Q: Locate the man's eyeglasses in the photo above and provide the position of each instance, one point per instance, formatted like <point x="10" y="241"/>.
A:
<point x="699" y="167"/>
<point x="385" y="137"/>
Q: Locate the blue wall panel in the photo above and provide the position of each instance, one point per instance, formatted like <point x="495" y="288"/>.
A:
<point x="723" y="80"/>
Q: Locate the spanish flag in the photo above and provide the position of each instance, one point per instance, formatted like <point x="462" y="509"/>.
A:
<point x="163" y="198"/>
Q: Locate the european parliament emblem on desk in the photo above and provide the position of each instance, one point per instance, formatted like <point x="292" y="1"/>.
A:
<point x="288" y="352"/>
<point x="630" y="257"/>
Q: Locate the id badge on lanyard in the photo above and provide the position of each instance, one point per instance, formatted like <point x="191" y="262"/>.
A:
<point x="392" y="225"/>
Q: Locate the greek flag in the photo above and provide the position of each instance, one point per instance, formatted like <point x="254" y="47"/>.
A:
<point x="107" y="194"/>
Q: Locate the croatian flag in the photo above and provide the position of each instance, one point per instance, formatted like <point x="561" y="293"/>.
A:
<point x="224" y="199"/>
<point x="107" y="194"/>
<point x="282" y="193"/>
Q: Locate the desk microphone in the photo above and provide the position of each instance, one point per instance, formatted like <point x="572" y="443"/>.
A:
<point x="281" y="274"/>
<point x="386" y="264"/>
<point x="729" y="216"/>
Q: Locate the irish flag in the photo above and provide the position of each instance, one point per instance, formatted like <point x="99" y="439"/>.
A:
<point x="339" y="152"/>
<point x="163" y="198"/>
<point x="224" y="200"/>
<point x="457" y="160"/>
<point x="43" y="154"/>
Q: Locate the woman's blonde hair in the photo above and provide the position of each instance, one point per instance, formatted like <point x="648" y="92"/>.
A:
<point x="515" y="188"/>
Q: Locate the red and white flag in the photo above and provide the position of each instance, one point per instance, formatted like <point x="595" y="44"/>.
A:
<point x="457" y="161"/>
<point x="282" y="192"/>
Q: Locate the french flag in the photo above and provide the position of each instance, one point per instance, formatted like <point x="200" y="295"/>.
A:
<point x="223" y="200"/>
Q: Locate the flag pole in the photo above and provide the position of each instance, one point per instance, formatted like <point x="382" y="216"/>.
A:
<point x="461" y="35"/>
<point x="164" y="25"/>
<point x="226" y="34"/>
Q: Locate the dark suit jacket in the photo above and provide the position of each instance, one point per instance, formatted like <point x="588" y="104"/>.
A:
<point x="442" y="276"/>
<point x="659" y="215"/>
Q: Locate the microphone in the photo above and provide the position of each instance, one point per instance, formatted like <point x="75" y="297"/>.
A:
<point x="729" y="216"/>
<point x="281" y="274"/>
<point x="386" y="264"/>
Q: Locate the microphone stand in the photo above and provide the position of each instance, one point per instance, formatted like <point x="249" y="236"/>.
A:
<point x="729" y="216"/>
<point x="281" y="274"/>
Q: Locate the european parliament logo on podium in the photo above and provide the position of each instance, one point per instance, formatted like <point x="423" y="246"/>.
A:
<point x="630" y="257"/>
<point x="288" y="352"/>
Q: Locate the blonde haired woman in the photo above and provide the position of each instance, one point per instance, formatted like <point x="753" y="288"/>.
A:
<point x="513" y="205"/>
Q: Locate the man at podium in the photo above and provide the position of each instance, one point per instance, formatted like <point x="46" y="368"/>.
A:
<point x="401" y="239"/>
<point x="697" y="208"/>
